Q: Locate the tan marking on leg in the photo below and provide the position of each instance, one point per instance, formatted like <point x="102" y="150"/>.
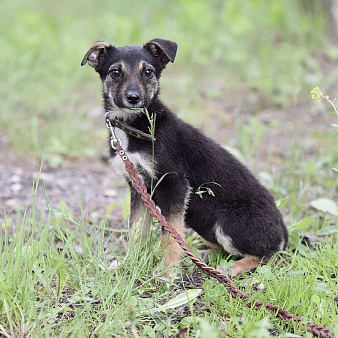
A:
<point x="172" y="251"/>
<point x="141" y="218"/>
<point x="244" y="265"/>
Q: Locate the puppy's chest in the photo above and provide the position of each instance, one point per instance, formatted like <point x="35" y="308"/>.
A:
<point x="142" y="161"/>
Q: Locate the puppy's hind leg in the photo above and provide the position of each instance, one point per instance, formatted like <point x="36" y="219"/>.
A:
<point x="244" y="265"/>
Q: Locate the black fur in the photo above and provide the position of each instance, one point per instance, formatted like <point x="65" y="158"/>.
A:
<point x="241" y="207"/>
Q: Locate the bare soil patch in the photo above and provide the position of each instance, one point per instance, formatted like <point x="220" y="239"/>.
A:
<point x="89" y="186"/>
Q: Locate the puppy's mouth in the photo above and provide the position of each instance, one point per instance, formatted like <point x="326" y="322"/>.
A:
<point x="124" y="112"/>
<point x="124" y="109"/>
<point x="131" y="108"/>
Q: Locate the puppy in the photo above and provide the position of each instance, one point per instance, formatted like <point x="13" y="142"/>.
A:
<point x="241" y="217"/>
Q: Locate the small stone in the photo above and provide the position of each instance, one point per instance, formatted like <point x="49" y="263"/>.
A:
<point x="11" y="202"/>
<point x="15" y="179"/>
<point x="79" y="250"/>
<point x="113" y="265"/>
<point x="16" y="187"/>
<point x="110" y="193"/>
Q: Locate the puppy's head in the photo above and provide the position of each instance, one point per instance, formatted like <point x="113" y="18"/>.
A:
<point x="130" y="75"/>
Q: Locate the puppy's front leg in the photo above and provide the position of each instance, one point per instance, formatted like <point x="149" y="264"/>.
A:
<point x="172" y="250"/>
<point x="138" y="214"/>
<point x="172" y="196"/>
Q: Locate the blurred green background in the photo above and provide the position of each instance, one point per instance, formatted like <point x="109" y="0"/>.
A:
<point x="263" y="53"/>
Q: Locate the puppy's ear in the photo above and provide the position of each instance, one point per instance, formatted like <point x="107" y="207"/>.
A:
<point x="96" y="54"/>
<point x="165" y="50"/>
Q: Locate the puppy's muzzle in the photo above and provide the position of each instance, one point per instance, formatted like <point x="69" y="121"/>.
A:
<point x="133" y="97"/>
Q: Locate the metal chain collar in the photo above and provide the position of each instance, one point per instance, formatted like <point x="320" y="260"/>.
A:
<point x="114" y="140"/>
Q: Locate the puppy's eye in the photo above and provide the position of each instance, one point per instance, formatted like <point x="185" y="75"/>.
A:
<point x="115" y="73"/>
<point x="148" y="72"/>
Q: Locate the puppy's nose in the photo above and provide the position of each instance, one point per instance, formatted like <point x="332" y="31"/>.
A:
<point x="133" y="97"/>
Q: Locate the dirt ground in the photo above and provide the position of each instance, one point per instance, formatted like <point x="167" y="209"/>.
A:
<point x="88" y="186"/>
<point x="92" y="185"/>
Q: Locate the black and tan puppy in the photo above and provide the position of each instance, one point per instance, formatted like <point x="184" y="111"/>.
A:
<point x="241" y="218"/>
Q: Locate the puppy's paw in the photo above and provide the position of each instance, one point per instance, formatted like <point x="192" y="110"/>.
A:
<point x="235" y="270"/>
<point x="241" y="266"/>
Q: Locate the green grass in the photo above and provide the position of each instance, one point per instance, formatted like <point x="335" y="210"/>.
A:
<point x="57" y="279"/>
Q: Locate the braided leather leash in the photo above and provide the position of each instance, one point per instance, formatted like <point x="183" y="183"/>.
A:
<point x="131" y="131"/>
<point x="222" y="278"/>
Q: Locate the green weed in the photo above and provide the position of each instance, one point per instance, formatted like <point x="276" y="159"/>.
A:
<point x="57" y="282"/>
<point x="318" y="95"/>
